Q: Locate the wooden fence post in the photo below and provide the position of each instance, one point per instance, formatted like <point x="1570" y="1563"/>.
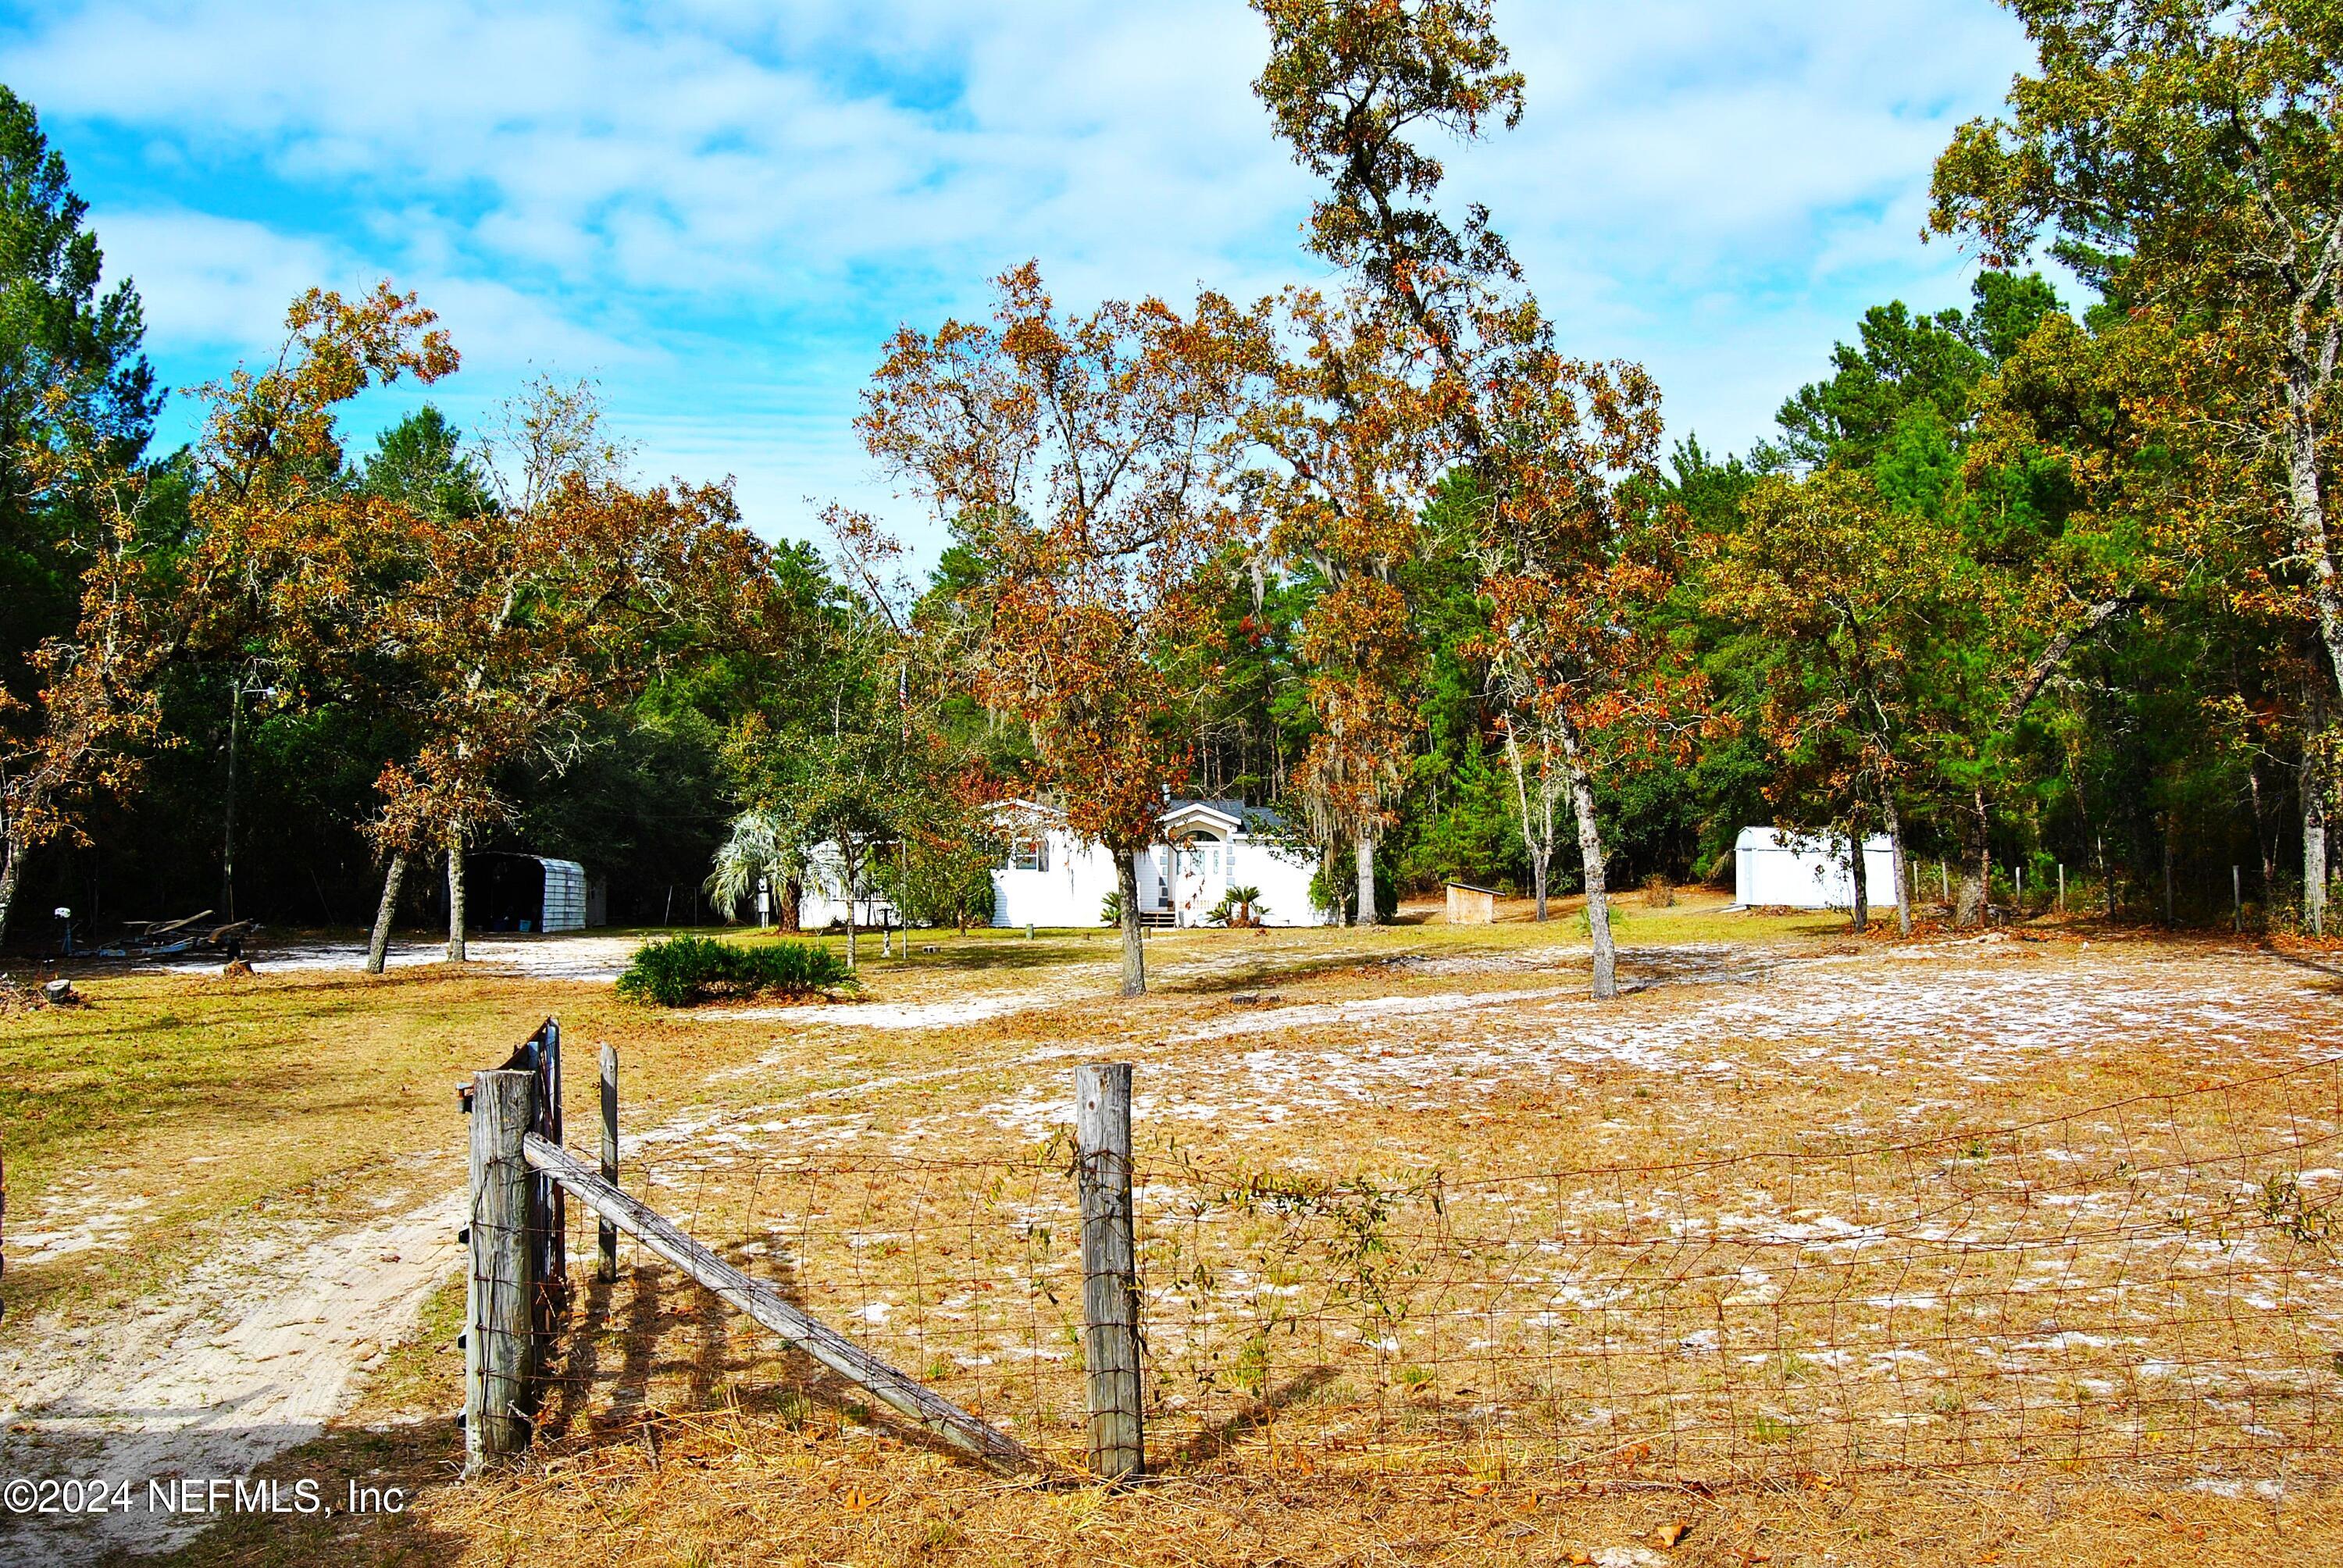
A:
<point x="497" y="1338"/>
<point x="608" y="1233"/>
<point x="1111" y="1339"/>
<point x="549" y="1213"/>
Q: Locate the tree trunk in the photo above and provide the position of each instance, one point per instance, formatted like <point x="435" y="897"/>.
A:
<point x="1590" y="854"/>
<point x="1895" y="821"/>
<point x="378" y="944"/>
<point x="1134" y="946"/>
<point x="786" y="916"/>
<point x="11" y="871"/>
<point x="1969" y="906"/>
<point x="2313" y="868"/>
<point x="1366" y="855"/>
<point x="1858" y="913"/>
<point x="850" y="873"/>
<point x="1540" y="850"/>
<point x="2265" y="829"/>
<point x="2306" y="498"/>
<point x="228" y="832"/>
<point x="1598" y="904"/>
<point x="455" y="896"/>
<point x="2314" y="815"/>
<point x="2167" y="870"/>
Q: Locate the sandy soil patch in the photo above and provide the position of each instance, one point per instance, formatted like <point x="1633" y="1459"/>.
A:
<point x="249" y="1356"/>
<point x="596" y="959"/>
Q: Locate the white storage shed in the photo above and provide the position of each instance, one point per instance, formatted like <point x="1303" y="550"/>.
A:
<point x="510" y="892"/>
<point x="1809" y="871"/>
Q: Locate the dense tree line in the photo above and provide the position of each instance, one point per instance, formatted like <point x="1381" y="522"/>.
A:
<point x="2032" y="583"/>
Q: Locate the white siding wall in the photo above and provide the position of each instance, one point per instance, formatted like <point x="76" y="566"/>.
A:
<point x="823" y="899"/>
<point x="1284" y="884"/>
<point x="1079" y="877"/>
<point x="1068" y="893"/>
<point x="1802" y="873"/>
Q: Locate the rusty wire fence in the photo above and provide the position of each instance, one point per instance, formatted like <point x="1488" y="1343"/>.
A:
<point x="2151" y="1286"/>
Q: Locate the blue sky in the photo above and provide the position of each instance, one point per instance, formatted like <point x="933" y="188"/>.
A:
<point x="721" y="210"/>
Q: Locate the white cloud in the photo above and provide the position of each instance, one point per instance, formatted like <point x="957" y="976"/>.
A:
<point x="215" y="283"/>
<point x="616" y="154"/>
<point x="723" y="205"/>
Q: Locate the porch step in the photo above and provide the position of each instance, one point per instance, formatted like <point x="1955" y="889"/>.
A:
<point x="1159" y="919"/>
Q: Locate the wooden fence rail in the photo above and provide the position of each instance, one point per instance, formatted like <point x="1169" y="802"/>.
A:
<point x="761" y="1301"/>
<point x="517" y="1238"/>
<point x="516" y="1299"/>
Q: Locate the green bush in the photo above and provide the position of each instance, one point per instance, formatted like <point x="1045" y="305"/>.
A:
<point x="683" y="971"/>
<point x="1335" y="889"/>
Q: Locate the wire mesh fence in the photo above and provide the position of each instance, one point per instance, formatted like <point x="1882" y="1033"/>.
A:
<point x="2151" y="1283"/>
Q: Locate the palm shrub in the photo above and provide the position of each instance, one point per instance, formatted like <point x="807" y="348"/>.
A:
<point x="683" y="971"/>
<point x="1239" y="907"/>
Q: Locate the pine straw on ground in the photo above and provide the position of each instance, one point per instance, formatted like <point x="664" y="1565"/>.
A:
<point x="787" y="1472"/>
<point x="726" y="1487"/>
<point x="679" y="1434"/>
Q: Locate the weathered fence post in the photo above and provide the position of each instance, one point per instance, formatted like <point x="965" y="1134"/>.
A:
<point x="2237" y="902"/>
<point x="2062" y="887"/>
<point x="498" y="1335"/>
<point x="1110" y="1268"/>
<point x="549" y="1213"/>
<point x="608" y="1233"/>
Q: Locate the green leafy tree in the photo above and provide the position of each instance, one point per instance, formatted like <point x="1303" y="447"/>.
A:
<point x="2183" y="153"/>
<point x="1844" y="595"/>
<point x="75" y="389"/>
<point x="79" y="640"/>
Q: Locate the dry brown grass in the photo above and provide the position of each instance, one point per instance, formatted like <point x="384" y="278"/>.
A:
<point x="733" y="1455"/>
<point x="140" y="1123"/>
<point x="906" y="1167"/>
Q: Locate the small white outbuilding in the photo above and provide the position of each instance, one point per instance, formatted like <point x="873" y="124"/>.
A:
<point x="1809" y="871"/>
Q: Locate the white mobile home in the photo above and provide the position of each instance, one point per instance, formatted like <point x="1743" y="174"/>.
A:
<point x="1049" y="878"/>
<point x="1807" y="871"/>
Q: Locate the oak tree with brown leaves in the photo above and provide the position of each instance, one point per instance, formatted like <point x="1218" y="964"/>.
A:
<point x="516" y="622"/>
<point x="293" y="561"/>
<point x="1349" y="416"/>
<point x="1087" y="460"/>
<point x="1546" y="441"/>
